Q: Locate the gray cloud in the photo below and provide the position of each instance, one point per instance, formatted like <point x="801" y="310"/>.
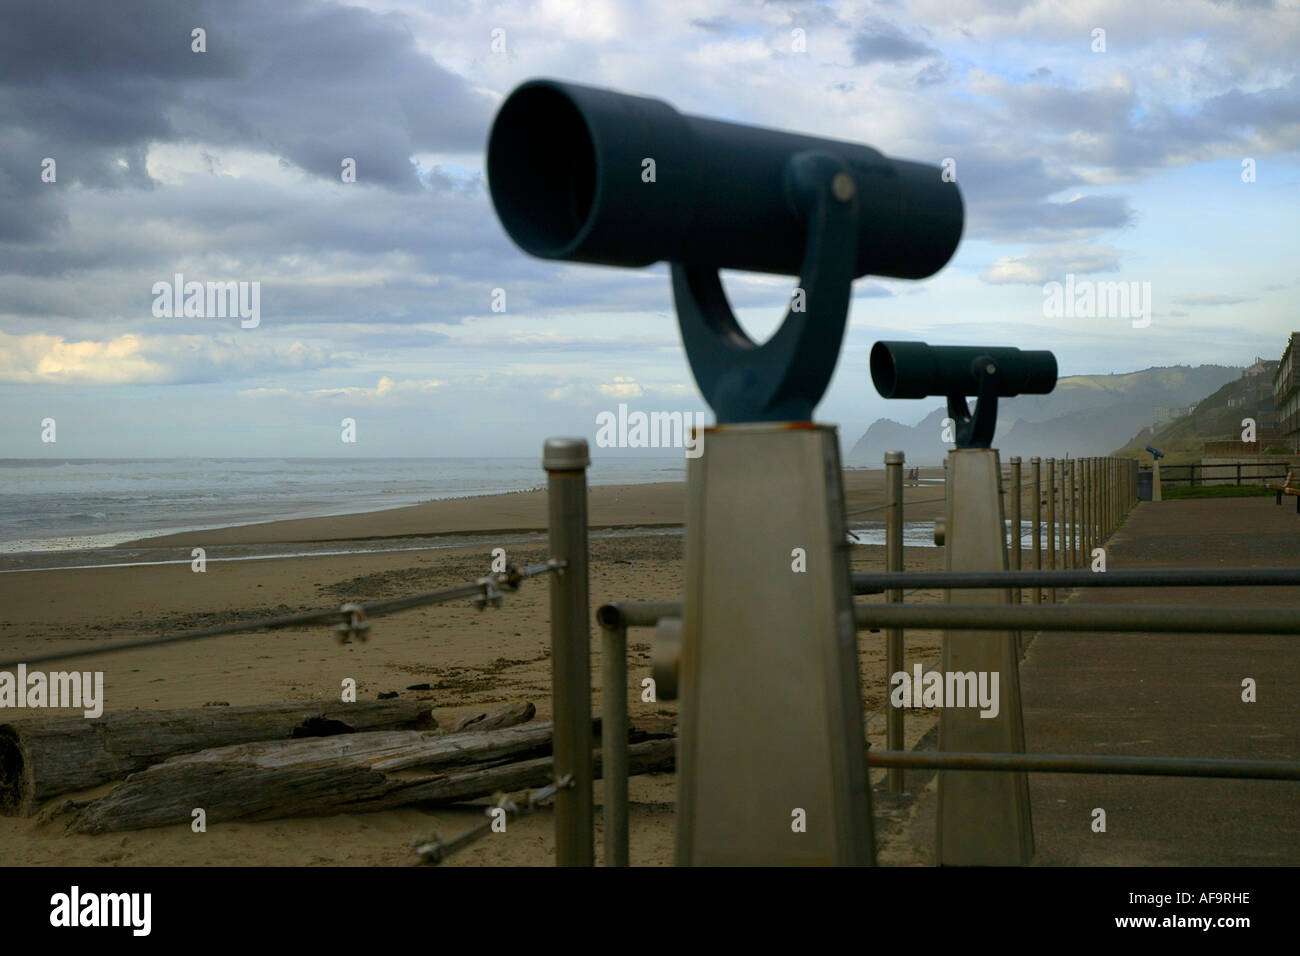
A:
<point x="92" y="85"/>
<point x="879" y="41"/>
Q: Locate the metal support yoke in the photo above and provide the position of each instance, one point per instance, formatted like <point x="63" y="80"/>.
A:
<point x="783" y="379"/>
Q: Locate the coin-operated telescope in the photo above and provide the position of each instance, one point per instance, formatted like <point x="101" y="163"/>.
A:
<point x="984" y="818"/>
<point x="917" y="370"/>
<point x="1156" y="455"/>
<point x="771" y="716"/>
<point x="591" y="175"/>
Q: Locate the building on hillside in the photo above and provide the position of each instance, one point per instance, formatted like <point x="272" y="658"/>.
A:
<point x="1261" y="366"/>
<point x="1168" y="413"/>
<point x="1286" y="393"/>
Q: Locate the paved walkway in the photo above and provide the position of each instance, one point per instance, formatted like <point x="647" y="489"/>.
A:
<point x="1168" y="695"/>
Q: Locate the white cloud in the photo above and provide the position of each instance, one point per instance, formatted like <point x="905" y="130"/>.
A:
<point x="130" y="359"/>
<point x="1051" y="263"/>
<point x="622" y="387"/>
<point x="386" y="391"/>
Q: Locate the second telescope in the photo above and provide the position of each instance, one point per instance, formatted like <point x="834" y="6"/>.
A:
<point x="917" y="370"/>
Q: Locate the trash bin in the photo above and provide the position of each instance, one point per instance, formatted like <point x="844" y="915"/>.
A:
<point x="1144" y="486"/>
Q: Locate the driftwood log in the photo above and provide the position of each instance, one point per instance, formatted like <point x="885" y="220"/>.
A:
<point x="354" y="774"/>
<point x="44" y="757"/>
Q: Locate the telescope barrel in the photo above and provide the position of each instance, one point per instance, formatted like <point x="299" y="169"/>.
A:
<point x="917" y="370"/>
<point x="567" y="177"/>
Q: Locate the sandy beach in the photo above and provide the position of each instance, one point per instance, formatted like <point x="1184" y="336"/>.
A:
<point x="472" y="660"/>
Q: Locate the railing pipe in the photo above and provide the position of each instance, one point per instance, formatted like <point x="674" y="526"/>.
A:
<point x="1089" y="763"/>
<point x="1080" y="617"/>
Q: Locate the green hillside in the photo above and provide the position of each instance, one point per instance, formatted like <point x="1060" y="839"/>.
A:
<point x="1182" y="439"/>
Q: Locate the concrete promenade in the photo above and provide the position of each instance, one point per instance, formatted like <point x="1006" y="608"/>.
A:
<point x="1172" y="695"/>
<point x="1177" y="695"/>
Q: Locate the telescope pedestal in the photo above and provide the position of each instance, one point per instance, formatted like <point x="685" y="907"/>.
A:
<point x="772" y="763"/>
<point x="984" y="817"/>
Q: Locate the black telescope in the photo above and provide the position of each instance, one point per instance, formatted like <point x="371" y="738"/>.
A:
<point x="591" y="175"/>
<point x="917" y="370"/>
<point x="568" y="175"/>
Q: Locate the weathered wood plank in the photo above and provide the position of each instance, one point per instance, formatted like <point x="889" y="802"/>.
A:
<point x="42" y="757"/>
<point x="361" y="773"/>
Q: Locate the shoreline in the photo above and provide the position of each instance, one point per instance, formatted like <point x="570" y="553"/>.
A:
<point x="652" y="504"/>
<point x="632" y="510"/>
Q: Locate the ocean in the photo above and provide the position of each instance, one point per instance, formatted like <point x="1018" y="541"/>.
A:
<point x="62" y="513"/>
<point x="84" y="503"/>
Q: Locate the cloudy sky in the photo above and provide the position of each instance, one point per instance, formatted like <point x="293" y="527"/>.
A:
<point x="1129" y="163"/>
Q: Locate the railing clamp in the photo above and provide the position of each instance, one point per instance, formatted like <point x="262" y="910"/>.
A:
<point x="354" y="624"/>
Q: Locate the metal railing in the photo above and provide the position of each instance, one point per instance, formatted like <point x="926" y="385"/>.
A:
<point x="353" y="619"/>
<point x="1087" y="500"/>
<point x="1197" y="475"/>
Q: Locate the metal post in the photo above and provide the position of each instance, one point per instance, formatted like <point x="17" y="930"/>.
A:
<point x="613" y="742"/>
<point x="1080" y="507"/>
<point x="1085" y="515"/>
<point x="1080" y="542"/>
<point x="982" y="819"/>
<point x="1067" y="486"/>
<point x="1034" y="467"/>
<point x="1104" y="489"/>
<point x="1115" y="494"/>
<point x="894" y="636"/>
<point x="1092" y="505"/>
<point x="1099" y="522"/>
<point x="770" y="705"/>
<point x="1067" y="515"/>
<point x="1051" y="523"/>
<point x="1016" y="492"/>
<point x="1112" y="494"/>
<point x="1102" y="531"/>
<point x="566" y="462"/>
<point x="1106" y="510"/>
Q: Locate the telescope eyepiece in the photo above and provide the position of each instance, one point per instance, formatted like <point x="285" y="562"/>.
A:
<point x="541" y="166"/>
